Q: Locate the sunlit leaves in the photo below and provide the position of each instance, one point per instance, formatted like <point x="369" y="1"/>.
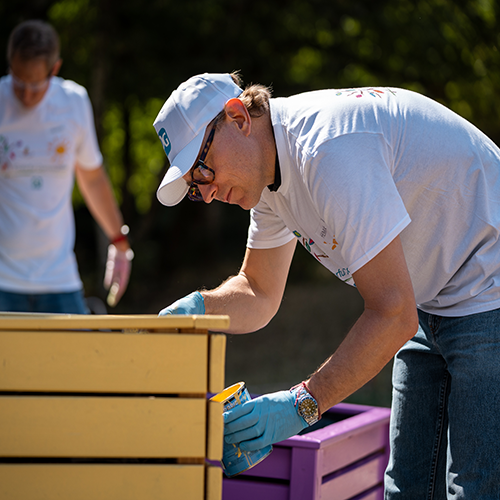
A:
<point x="446" y="49"/>
<point x="149" y="159"/>
<point x="305" y="64"/>
<point x="146" y="157"/>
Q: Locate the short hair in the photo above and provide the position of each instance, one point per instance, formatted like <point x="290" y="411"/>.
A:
<point x="34" y="39"/>
<point x="255" y="97"/>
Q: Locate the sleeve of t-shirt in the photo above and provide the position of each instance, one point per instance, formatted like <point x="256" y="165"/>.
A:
<point x="88" y="154"/>
<point x="351" y="183"/>
<point x="266" y="229"/>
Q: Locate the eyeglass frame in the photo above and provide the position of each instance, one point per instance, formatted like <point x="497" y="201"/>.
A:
<point x="194" y="193"/>
<point x="34" y="87"/>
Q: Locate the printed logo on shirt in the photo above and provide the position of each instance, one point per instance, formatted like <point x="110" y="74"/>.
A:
<point x="36" y="182"/>
<point x="344" y="274"/>
<point x="364" y="92"/>
<point x="58" y="148"/>
<point x="8" y="152"/>
<point x="308" y="244"/>
<point x="16" y="160"/>
<point x="167" y="146"/>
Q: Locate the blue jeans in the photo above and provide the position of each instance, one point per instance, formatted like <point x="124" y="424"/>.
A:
<point x="68" y="302"/>
<point x="445" y="421"/>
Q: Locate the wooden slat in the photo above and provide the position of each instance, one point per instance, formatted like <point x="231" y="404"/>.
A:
<point x="353" y="448"/>
<point x="101" y="482"/>
<point x="354" y="481"/>
<point x="27" y="321"/>
<point x="215" y="431"/>
<point x="217" y="353"/>
<point x="105" y="362"/>
<point x="213" y="488"/>
<point x="32" y="426"/>
<point x="241" y="488"/>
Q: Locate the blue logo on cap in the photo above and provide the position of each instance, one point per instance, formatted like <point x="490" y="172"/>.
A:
<point x="167" y="146"/>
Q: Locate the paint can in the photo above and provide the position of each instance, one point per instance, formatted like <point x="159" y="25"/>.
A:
<point x="234" y="461"/>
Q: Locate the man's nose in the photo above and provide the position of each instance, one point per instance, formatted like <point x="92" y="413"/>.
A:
<point x="208" y="191"/>
<point x="26" y="95"/>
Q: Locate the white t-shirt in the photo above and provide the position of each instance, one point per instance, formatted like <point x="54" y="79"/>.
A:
<point x="361" y="166"/>
<point x="38" y="150"/>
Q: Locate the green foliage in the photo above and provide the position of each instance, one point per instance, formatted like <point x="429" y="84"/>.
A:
<point x="130" y="56"/>
<point x="147" y="158"/>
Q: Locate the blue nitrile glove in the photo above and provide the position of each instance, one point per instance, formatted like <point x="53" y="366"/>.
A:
<point x="262" y="421"/>
<point x="190" y="304"/>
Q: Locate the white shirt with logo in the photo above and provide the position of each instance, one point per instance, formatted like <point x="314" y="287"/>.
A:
<point x="361" y="166"/>
<point x="39" y="148"/>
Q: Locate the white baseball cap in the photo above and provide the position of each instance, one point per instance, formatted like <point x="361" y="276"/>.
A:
<point x="181" y="125"/>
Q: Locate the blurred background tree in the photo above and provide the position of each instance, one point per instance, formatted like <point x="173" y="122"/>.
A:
<point x="131" y="55"/>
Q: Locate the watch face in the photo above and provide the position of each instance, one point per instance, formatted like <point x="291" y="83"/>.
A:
<point x="308" y="409"/>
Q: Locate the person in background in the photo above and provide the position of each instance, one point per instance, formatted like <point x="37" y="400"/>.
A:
<point x="393" y="193"/>
<point x="47" y="139"/>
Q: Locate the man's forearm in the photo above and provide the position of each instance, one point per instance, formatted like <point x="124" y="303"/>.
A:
<point x="99" y="198"/>
<point x="388" y="321"/>
<point x="248" y="308"/>
<point x="253" y="296"/>
<point x="369" y="346"/>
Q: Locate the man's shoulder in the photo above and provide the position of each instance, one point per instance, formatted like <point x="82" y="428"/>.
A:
<point x="5" y="84"/>
<point x="70" y="88"/>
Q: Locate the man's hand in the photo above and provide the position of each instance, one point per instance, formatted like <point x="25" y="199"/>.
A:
<point x="118" y="266"/>
<point x="262" y="421"/>
<point x="190" y="304"/>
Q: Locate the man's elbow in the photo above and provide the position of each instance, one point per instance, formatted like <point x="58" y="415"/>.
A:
<point x="406" y="317"/>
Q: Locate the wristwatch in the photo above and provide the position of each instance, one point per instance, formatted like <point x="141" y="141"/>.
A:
<point x="307" y="406"/>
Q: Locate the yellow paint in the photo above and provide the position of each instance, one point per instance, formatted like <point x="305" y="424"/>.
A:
<point x="140" y="427"/>
<point x="112" y="362"/>
<point x="120" y="357"/>
<point x="108" y="482"/>
<point x="39" y="321"/>
<point x="216" y="365"/>
<point x="214" y="483"/>
<point x="215" y="431"/>
<point x="227" y="393"/>
<point x="238" y="451"/>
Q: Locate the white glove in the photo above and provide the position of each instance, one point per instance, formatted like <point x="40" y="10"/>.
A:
<point x="118" y="266"/>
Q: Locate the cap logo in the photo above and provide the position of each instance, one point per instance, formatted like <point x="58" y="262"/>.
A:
<point x="167" y="146"/>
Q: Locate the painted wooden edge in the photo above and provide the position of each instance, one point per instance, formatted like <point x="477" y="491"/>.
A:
<point x="110" y="362"/>
<point x="242" y="488"/>
<point x="215" y="432"/>
<point x="217" y="362"/>
<point x="374" y="416"/>
<point x="102" y="427"/>
<point x="213" y="483"/>
<point x="212" y="322"/>
<point x="27" y="321"/>
<point x="102" y="481"/>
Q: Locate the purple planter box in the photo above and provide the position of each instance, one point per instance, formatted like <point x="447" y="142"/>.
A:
<point x="342" y="457"/>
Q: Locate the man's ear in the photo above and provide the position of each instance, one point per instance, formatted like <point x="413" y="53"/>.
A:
<point x="56" y="67"/>
<point x="237" y="113"/>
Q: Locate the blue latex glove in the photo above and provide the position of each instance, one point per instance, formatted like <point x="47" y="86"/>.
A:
<point x="262" y="421"/>
<point x="190" y="304"/>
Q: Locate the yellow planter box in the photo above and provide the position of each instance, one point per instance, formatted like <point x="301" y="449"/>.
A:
<point x="110" y="407"/>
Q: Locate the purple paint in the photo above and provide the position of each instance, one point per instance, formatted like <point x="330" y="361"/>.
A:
<point x="345" y="459"/>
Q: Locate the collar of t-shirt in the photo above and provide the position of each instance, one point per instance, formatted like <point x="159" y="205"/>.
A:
<point x="277" y="175"/>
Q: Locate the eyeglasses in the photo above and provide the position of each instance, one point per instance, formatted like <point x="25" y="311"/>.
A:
<point x="201" y="173"/>
<point x="34" y="87"/>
